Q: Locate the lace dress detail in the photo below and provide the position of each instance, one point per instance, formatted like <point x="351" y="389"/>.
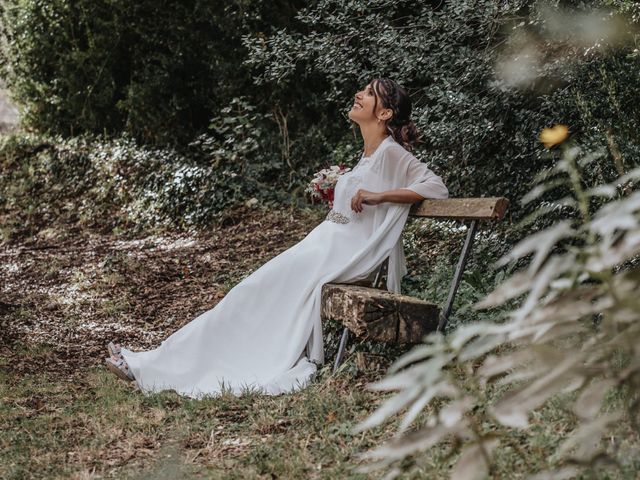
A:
<point x="371" y="165"/>
<point x="337" y="217"/>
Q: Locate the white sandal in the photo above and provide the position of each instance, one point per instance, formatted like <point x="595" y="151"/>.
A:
<point x="120" y="368"/>
<point x="115" y="350"/>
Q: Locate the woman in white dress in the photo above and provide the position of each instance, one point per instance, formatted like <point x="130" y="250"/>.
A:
<point x="266" y="333"/>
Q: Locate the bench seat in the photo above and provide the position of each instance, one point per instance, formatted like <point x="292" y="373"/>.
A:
<point x="376" y="314"/>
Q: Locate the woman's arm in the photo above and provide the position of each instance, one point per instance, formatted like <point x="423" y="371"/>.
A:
<point x="402" y="168"/>
<point x="401" y="195"/>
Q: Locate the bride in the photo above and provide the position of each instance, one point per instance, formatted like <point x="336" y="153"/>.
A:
<point x="266" y="333"/>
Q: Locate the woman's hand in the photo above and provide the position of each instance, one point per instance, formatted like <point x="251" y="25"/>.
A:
<point x="365" y="197"/>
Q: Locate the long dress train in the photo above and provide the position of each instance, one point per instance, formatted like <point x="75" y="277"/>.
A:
<point x="266" y="333"/>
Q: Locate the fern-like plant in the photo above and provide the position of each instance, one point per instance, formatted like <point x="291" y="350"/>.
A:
<point x="576" y="329"/>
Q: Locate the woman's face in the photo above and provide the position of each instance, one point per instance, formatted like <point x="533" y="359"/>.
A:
<point x="363" y="105"/>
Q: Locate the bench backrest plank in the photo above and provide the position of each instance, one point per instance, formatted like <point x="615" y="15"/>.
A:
<point x="491" y="208"/>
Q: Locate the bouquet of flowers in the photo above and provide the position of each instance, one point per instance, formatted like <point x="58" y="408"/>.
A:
<point x="323" y="184"/>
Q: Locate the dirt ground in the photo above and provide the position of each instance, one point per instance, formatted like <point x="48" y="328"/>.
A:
<point x="64" y="296"/>
<point x="77" y="294"/>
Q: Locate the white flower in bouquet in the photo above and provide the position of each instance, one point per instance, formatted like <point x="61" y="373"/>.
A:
<point x="323" y="183"/>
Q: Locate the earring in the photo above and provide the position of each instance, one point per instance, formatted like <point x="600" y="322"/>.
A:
<point x="378" y="120"/>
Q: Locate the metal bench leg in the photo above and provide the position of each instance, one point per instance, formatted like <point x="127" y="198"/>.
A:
<point x="457" y="276"/>
<point x="382" y="270"/>
<point x="343" y="344"/>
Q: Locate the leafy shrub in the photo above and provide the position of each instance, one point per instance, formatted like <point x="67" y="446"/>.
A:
<point x="163" y="74"/>
<point x="155" y="69"/>
<point x="105" y="183"/>
<point x="278" y="77"/>
<point x="182" y="73"/>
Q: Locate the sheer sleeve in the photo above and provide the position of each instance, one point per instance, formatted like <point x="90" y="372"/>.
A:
<point x="423" y="181"/>
<point x="402" y="170"/>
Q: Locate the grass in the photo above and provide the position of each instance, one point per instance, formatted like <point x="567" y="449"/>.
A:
<point x="92" y="425"/>
<point x="89" y="424"/>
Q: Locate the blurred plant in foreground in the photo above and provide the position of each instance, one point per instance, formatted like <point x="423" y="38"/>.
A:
<point x="576" y="330"/>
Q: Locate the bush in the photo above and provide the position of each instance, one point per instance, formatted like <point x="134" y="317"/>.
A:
<point x="155" y="69"/>
<point x="90" y="181"/>
<point x="270" y="83"/>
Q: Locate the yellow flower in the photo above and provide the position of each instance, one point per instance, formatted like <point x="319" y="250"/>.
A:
<point x="554" y="136"/>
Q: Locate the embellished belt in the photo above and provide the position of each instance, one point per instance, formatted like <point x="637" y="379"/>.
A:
<point x="337" y="217"/>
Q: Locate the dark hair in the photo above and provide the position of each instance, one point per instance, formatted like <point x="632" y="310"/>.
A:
<point x="395" y="97"/>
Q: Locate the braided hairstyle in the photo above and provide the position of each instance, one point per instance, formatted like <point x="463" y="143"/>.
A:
<point x="400" y="126"/>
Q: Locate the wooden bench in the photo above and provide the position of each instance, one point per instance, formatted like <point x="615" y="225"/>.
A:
<point x="373" y="313"/>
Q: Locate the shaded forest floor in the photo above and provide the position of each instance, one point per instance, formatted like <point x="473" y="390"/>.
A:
<point x="62" y="415"/>
<point x="77" y="294"/>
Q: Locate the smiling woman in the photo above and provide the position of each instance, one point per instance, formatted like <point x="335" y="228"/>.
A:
<point x="266" y="333"/>
<point x="384" y="106"/>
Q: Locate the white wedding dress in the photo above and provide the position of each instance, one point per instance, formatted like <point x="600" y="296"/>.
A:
<point x="266" y="333"/>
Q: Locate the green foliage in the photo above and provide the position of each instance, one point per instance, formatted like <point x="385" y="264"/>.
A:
<point x="157" y="70"/>
<point x="433" y="249"/>
<point x="273" y="81"/>
<point x="480" y="131"/>
<point x="99" y="183"/>
<point x="163" y="73"/>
